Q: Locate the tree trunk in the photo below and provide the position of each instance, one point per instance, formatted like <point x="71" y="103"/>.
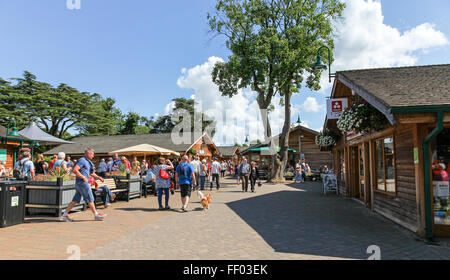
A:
<point x="282" y="157"/>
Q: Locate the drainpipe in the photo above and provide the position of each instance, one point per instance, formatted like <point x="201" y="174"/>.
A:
<point x="427" y="173"/>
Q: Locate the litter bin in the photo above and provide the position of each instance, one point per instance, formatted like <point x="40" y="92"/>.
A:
<point x="12" y="203"/>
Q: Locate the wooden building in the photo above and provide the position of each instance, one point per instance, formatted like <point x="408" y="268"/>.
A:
<point x="228" y="152"/>
<point x="10" y="147"/>
<point x="401" y="171"/>
<point x="301" y="145"/>
<point x="203" y="145"/>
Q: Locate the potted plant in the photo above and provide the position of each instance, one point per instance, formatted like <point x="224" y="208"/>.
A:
<point x="289" y="176"/>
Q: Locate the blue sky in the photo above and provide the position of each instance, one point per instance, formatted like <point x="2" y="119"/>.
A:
<point x="134" y="51"/>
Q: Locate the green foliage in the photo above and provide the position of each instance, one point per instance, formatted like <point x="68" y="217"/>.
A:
<point x="55" y="109"/>
<point x="192" y="151"/>
<point x="165" y="124"/>
<point x="273" y="46"/>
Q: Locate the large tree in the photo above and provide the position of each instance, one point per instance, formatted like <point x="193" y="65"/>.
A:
<point x="273" y="44"/>
<point x="56" y="109"/>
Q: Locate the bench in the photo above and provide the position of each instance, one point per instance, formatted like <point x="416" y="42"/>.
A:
<point x="111" y="184"/>
<point x="133" y="187"/>
<point x="263" y="174"/>
<point x="148" y="188"/>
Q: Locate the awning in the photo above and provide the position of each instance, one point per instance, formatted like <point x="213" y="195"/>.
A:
<point x="34" y="133"/>
<point x="267" y="148"/>
<point x="145" y="149"/>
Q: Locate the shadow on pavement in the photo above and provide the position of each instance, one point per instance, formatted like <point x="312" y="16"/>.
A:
<point x="303" y="221"/>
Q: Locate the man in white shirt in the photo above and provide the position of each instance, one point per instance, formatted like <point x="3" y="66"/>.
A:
<point x="196" y="164"/>
<point x="224" y="168"/>
<point x="216" y="168"/>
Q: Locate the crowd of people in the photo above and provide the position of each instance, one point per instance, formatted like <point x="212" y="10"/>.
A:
<point x="187" y="173"/>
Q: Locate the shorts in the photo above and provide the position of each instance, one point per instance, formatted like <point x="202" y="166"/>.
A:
<point x="185" y="190"/>
<point x="83" y="190"/>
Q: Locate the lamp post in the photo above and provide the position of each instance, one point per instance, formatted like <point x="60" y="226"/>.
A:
<point x="13" y="131"/>
<point x="319" y="64"/>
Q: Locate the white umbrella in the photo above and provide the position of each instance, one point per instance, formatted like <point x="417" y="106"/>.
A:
<point x="145" y="149"/>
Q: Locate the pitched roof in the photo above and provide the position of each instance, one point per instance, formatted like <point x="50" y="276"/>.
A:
<point x="3" y="131"/>
<point x="106" y="144"/>
<point x="402" y="86"/>
<point x="227" y="151"/>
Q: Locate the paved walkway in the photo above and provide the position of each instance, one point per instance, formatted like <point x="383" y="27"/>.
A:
<point x="276" y="222"/>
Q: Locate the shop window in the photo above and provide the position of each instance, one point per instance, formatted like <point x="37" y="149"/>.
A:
<point x="385" y="164"/>
<point x="440" y="157"/>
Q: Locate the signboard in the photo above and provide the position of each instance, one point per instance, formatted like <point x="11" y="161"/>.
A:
<point x="416" y="155"/>
<point x="335" y="107"/>
<point x="352" y="135"/>
<point x="330" y="183"/>
<point x="441" y="188"/>
<point x="2" y="155"/>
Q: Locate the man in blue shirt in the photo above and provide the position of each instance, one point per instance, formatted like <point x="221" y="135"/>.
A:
<point x="116" y="162"/>
<point x="83" y="169"/>
<point x="28" y="166"/>
<point x="185" y="178"/>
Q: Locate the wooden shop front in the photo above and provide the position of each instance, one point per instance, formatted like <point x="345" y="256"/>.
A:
<point x="400" y="171"/>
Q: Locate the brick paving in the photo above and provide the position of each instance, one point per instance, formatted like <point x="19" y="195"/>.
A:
<point x="277" y="222"/>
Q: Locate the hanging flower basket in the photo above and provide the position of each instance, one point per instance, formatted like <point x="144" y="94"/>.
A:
<point x="361" y="117"/>
<point x="327" y="138"/>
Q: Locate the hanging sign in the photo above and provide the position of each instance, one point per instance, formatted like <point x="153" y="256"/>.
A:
<point x="335" y="107"/>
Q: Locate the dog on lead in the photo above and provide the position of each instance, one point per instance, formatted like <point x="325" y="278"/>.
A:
<point x="205" y="200"/>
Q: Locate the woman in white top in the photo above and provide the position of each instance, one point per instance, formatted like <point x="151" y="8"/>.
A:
<point x="203" y="174"/>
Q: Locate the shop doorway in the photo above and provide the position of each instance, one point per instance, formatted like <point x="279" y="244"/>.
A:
<point x="361" y="174"/>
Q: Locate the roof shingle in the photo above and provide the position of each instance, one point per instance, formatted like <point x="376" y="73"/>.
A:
<point x="404" y="86"/>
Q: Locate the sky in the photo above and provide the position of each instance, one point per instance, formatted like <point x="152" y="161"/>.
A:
<point x="145" y="53"/>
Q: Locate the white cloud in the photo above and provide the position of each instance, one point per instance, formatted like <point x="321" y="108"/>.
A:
<point x="363" y="40"/>
<point x="311" y="105"/>
<point x="236" y="117"/>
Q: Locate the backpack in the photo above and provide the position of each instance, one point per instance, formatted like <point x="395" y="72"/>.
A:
<point x="18" y="172"/>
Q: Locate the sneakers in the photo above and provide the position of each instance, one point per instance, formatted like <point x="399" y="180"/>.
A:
<point x="65" y="218"/>
<point x="161" y="208"/>
<point x="100" y="217"/>
<point x="183" y="209"/>
<point x="167" y="207"/>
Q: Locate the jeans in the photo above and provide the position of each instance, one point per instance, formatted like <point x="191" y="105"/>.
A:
<point x="298" y="176"/>
<point x="107" y="192"/>
<point x="216" y="176"/>
<point x="253" y="182"/>
<point x="83" y="189"/>
<point x="202" y="182"/>
<point x="160" y="193"/>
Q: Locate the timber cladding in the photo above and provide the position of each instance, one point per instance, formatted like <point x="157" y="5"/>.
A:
<point x="402" y="207"/>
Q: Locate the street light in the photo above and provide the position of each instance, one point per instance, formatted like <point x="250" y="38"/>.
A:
<point x="13" y="132"/>
<point x="319" y="64"/>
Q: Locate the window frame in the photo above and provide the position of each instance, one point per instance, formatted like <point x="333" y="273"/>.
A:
<point x="376" y="189"/>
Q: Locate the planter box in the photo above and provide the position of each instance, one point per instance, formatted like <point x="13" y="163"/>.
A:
<point x="133" y="184"/>
<point x="50" y="197"/>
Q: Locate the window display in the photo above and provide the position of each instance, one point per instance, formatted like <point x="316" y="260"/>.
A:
<point x="385" y="160"/>
<point x="440" y="158"/>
